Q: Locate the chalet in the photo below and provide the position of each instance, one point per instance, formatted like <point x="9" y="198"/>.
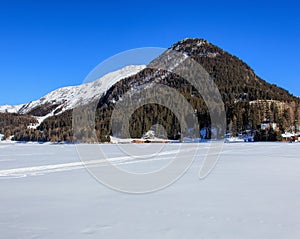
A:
<point x="290" y="137"/>
<point x="266" y="124"/>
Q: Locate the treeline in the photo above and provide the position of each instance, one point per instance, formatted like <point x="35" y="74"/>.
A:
<point x="11" y="124"/>
<point x="55" y="129"/>
<point x="241" y="116"/>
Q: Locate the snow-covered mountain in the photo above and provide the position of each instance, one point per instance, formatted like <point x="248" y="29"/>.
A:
<point x="70" y="97"/>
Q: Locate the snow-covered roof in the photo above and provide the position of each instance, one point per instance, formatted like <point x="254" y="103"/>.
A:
<point x="288" y="135"/>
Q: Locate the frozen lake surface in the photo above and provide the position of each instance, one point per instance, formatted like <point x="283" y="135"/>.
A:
<point x="253" y="192"/>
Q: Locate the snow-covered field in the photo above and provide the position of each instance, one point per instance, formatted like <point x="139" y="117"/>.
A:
<point x="253" y="192"/>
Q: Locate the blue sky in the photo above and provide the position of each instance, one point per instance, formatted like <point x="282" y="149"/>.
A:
<point x="45" y="45"/>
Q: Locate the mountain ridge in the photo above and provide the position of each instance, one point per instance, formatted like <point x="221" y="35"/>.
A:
<point x="243" y="92"/>
<point x="69" y="97"/>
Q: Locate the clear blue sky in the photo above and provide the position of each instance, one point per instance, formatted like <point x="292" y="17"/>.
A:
<point x="45" y="45"/>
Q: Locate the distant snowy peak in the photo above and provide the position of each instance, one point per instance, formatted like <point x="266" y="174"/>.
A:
<point x="10" y="108"/>
<point x="70" y="97"/>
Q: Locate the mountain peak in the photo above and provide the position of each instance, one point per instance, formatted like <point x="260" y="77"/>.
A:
<point x="198" y="41"/>
<point x="197" y="46"/>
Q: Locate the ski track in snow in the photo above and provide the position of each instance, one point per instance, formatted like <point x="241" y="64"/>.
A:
<point x="44" y="169"/>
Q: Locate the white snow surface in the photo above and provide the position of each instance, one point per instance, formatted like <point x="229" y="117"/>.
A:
<point x="252" y="193"/>
<point x="73" y="96"/>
